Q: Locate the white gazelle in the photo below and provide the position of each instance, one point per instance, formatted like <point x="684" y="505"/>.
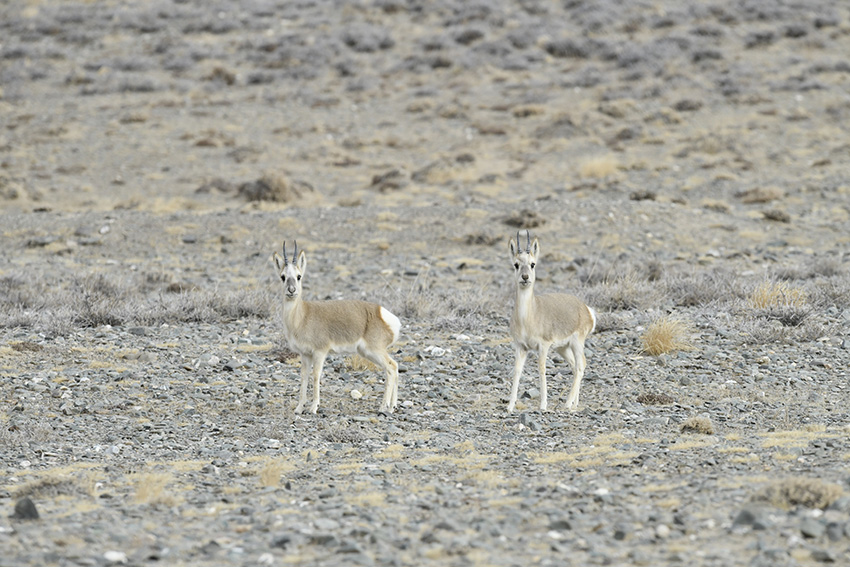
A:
<point x="542" y="322"/>
<point x="314" y="329"/>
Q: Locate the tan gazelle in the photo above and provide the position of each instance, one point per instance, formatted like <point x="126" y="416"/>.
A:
<point x="543" y="322"/>
<point x="314" y="329"/>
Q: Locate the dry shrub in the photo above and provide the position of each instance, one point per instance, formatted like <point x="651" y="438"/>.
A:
<point x="699" y="424"/>
<point x="703" y="288"/>
<point x="804" y="492"/>
<point x="599" y="167"/>
<point x="653" y="399"/>
<point x="623" y="292"/>
<point x="664" y="335"/>
<point x="359" y="364"/>
<point x="777" y="294"/>
<point x="454" y="309"/>
<point x="52" y="486"/>
<point x="274" y="187"/>
<point x="760" y="195"/>
<point x="343" y="433"/>
<point x="715" y="205"/>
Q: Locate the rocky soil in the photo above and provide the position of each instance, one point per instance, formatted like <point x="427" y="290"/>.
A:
<point x="676" y="159"/>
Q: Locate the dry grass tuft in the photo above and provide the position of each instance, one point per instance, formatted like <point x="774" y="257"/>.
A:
<point x="272" y="470"/>
<point x="770" y="295"/>
<point x="699" y="424"/>
<point x="804" y="492"/>
<point x="150" y="489"/>
<point x="599" y="167"/>
<point x="665" y="335"/>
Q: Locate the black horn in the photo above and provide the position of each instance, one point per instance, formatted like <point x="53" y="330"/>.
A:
<point x="295" y="254"/>
<point x="285" y="259"/>
<point x="527" y="240"/>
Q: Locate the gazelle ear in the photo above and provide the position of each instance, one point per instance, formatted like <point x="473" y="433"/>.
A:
<point x="278" y="261"/>
<point x="513" y="249"/>
<point x="535" y="248"/>
<point x="302" y="261"/>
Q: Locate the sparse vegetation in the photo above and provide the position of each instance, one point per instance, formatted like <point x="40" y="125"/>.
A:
<point x="804" y="492"/>
<point x="698" y="424"/>
<point x="58" y="307"/>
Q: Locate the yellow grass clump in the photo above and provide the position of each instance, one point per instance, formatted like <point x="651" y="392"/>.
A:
<point x="665" y="335"/>
<point x="150" y="489"/>
<point x="599" y="167"/>
<point x="777" y="294"/>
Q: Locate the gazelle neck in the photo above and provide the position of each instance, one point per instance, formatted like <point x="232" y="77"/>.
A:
<point x="293" y="310"/>
<point x="524" y="300"/>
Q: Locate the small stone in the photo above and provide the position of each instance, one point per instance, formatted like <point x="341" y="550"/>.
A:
<point x="824" y="556"/>
<point x="356" y="394"/>
<point x="755" y="517"/>
<point x="532" y="393"/>
<point x="326" y="524"/>
<point x="25" y="509"/>
<point x="834" y="531"/>
<point x="113" y="557"/>
<point x="812" y="528"/>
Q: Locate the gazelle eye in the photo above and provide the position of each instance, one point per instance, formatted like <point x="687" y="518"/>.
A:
<point x="516" y="266"/>
<point x="283" y="278"/>
<point x="532" y="265"/>
<point x="299" y="277"/>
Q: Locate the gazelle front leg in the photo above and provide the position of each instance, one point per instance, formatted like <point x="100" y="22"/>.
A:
<point x="306" y="367"/>
<point x="521" y="355"/>
<point x="542" y="352"/>
<point x="318" y="364"/>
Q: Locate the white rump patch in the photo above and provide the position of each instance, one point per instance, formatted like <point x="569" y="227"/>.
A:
<point x="392" y="322"/>
<point x="593" y="317"/>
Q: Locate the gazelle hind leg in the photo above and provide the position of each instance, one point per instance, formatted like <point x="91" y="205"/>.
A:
<point x="542" y="353"/>
<point x="390" y="367"/>
<point x="578" y="363"/>
<point x="394" y="366"/>
<point x="567" y="354"/>
<point x="391" y="388"/>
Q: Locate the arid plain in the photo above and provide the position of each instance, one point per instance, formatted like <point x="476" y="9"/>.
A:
<point x="684" y="165"/>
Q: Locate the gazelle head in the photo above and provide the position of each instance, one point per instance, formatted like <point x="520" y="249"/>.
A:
<point x="525" y="261"/>
<point x="291" y="272"/>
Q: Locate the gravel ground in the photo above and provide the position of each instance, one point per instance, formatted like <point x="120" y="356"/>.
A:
<point x="675" y="159"/>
